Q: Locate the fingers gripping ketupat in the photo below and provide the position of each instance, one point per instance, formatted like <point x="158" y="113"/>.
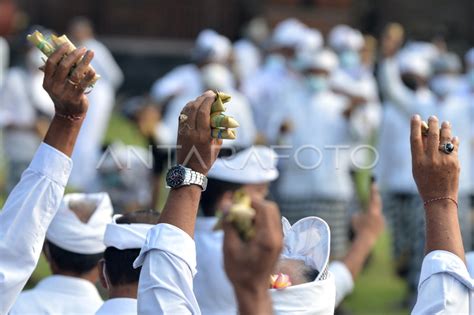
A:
<point x="49" y="45"/>
<point x="241" y="216"/>
<point x="221" y="124"/>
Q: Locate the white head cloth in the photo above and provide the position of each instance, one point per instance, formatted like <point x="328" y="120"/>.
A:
<point x="212" y="46"/>
<point x="469" y="58"/>
<point x="307" y="240"/>
<point x="288" y="33"/>
<point x="70" y="233"/>
<point x="247" y="59"/>
<point x="343" y="37"/>
<point x="322" y="60"/>
<point x="311" y="41"/>
<point x="412" y="62"/>
<point x="254" y="165"/>
<point x="217" y="77"/>
<point x="125" y="236"/>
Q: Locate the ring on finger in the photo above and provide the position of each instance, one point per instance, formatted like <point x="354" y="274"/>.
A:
<point x="75" y="84"/>
<point x="183" y="118"/>
<point x="447" y="147"/>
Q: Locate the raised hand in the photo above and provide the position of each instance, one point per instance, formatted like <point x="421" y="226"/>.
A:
<point x="249" y="264"/>
<point x="65" y="79"/>
<point x="436" y="173"/>
<point x="196" y="148"/>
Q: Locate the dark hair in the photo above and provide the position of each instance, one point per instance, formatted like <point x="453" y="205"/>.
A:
<point x="72" y="262"/>
<point x="119" y="263"/>
<point x="311" y="274"/>
<point x="215" y="190"/>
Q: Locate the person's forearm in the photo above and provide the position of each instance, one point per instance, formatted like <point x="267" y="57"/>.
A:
<point x="358" y="253"/>
<point x="62" y="134"/>
<point x="442" y="228"/>
<point x="181" y="208"/>
<point x="254" y="302"/>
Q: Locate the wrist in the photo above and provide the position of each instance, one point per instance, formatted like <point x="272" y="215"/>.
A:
<point x="443" y="201"/>
<point x="253" y="300"/>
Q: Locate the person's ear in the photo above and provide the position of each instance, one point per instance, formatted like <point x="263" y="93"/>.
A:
<point x="103" y="274"/>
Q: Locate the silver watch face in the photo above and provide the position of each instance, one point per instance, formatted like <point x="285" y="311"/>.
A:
<point x="176" y="176"/>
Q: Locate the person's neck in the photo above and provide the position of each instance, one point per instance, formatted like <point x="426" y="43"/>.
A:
<point x="89" y="276"/>
<point x="124" y="291"/>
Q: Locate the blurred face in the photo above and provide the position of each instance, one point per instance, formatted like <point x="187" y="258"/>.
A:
<point x="259" y="191"/>
<point x="317" y="80"/>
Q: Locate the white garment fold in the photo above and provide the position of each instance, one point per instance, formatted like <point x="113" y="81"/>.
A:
<point x="25" y="217"/>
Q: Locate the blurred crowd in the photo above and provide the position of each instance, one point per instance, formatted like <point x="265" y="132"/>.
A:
<point x="338" y="104"/>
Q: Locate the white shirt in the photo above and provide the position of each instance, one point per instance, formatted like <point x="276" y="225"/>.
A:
<point x="318" y="165"/>
<point x="445" y="286"/>
<point x="4" y="58"/>
<point x="118" y="306"/>
<point x="59" y="295"/>
<point x="104" y="63"/>
<point x="212" y="288"/>
<point x="25" y="217"/>
<point x="87" y="151"/>
<point x="394" y="167"/>
<point x="343" y="280"/>
<point x="168" y="261"/>
<point x="182" y="80"/>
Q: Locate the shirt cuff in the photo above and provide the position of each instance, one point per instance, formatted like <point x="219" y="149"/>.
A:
<point x="172" y="240"/>
<point x="343" y="279"/>
<point x="52" y="163"/>
<point x="440" y="261"/>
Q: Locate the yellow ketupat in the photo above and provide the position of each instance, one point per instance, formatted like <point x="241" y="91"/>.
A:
<point x="222" y="124"/>
<point x="48" y="47"/>
<point x="424" y="128"/>
<point x="241" y="215"/>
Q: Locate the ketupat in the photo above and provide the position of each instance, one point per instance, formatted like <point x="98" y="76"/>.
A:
<point x="241" y="215"/>
<point x="424" y="128"/>
<point x="221" y="124"/>
<point x="48" y="47"/>
<point x="224" y="134"/>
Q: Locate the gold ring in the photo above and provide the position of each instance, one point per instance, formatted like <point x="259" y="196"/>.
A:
<point x="183" y="118"/>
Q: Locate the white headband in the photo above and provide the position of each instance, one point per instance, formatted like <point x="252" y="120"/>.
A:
<point x="70" y="233"/>
<point x="126" y="236"/>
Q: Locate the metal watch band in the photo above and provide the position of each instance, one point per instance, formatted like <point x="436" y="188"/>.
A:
<point x="195" y="178"/>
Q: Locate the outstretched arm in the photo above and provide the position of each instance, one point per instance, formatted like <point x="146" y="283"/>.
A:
<point x="33" y="203"/>
<point x="169" y="254"/>
<point x="445" y="285"/>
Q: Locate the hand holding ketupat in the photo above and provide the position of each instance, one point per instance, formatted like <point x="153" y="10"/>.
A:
<point x="49" y="46"/>
<point x="241" y="215"/>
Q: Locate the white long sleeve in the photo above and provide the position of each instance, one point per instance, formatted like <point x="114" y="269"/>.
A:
<point x="27" y="213"/>
<point x="343" y="280"/>
<point x="393" y="88"/>
<point x="168" y="261"/>
<point x="445" y="286"/>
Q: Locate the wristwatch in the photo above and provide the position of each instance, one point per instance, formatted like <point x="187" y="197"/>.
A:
<point x="180" y="175"/>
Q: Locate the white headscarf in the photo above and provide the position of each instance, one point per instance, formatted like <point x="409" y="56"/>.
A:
<point x="125" y="236"/>
<point x="307" y="240"/>
<point x="70" y="233"/>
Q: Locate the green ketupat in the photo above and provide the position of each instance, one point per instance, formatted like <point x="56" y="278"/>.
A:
<point x="222" y="124"/>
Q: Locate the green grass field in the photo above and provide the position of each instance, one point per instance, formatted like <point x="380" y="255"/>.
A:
<point x="377" y="291"/>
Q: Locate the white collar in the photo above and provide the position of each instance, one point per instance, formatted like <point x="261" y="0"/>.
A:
<point x="125" y="306"/>
<point x="68" y="285"/>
